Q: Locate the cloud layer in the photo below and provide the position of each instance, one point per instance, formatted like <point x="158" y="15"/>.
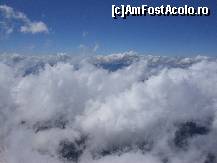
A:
<point x="26" y="25"/>
<point x="119" y="108"/>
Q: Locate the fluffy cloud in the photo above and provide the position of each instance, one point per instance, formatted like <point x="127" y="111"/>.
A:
<point x="34" y="27"/>
<point x="120" y="108"/>
<point x="27" y="26"/>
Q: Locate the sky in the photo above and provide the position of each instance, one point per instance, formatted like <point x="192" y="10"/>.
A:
<point x="86" y="26"/>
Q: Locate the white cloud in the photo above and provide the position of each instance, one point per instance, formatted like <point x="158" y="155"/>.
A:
<point x="27" y="26"/>
<point x="9" y="13"/>
<point x="131" y="114"/>
<point x="34" y="27"/>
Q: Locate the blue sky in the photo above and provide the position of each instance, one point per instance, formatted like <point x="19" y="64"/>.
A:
<point x="86" y="26"/>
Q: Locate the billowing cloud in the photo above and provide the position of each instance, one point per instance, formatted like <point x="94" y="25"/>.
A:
<point x="27" y="26"/>
<point x="121" y="108"/>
